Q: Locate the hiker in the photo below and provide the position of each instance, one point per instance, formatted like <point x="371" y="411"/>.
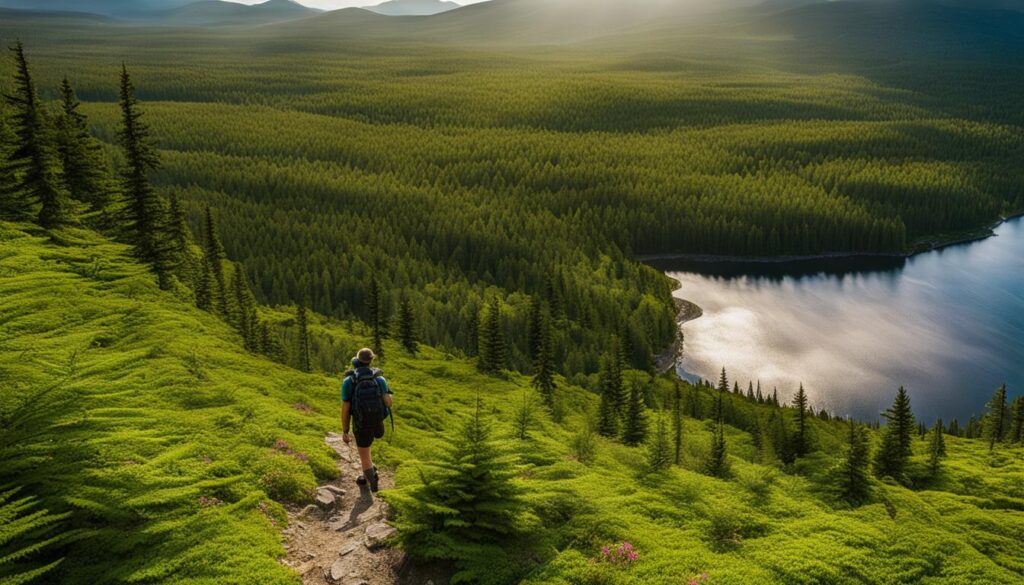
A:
<point x="365" y="402"/>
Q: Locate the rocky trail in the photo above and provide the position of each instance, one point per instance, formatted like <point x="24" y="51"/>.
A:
<point x="342" y="538"/>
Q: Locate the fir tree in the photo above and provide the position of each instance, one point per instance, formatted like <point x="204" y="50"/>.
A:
<point x="32" y="162"/>
<point x="144" y="212"/>
<point x="775" y="397"/>
<point x="995" y="420"/>
<point x="179" y="235"/>
<point x="535" y="328"/>
<point x="205" y="285"/>
<point x="659" y="452"/>
<point x="781" y="441"/>
<point x="610" y="385"/>
<point x="723" y="381"/>
<point x="853" y="482"/>
<point x="936" y="448"/>
<point x="1017" y="429"/>
<point x="81" y="155"/>
<point x="492" y="340"/>
<point x="270" y="343"/>
<point x="716" y="463"/>
<point x="215" y="257"/>
<point x="304" y="353"/>
<point x="677" y="424"/>
<point x="801" y="442"/>
<point x="245" y="304"/>
<point x="634" y="423"/>
<point x="954" y="428"/>
<point x="377" y="306"/>
<point x="407" y="325"/>
<point x="467" y="507"/>
<point x="897" y="439"/>
<point x="750" y="391"/>
<point x="544" y="365"/>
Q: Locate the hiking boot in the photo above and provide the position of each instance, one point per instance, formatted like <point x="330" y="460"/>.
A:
<point x="374" y="478"/>
<point x="361" y="480"/>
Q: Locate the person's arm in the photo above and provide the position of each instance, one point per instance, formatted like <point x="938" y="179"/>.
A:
<point x="387" y="392"/>
<point x="346" y="411"/>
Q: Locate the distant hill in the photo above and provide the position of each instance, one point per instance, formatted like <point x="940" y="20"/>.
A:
<point x="218" y="12"/>
<point x="104" y="7"/>
<point x="413" y="7"/>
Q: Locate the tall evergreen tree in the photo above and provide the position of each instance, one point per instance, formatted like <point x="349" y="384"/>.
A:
<point x="492" y="340"/>
<point x="853" y="482"/>
<point x="33" y="162"/>
<point x="535" y="328"/>
<point x="897" y="439"/>
<point x="634" y="423"/>
<point x="995" y="420"/>
<point x="971" y="431"/>
<point x="206" y="284"/>
<point x="1017" y="429"/>
<point x="144" y="212"/>
<point x="954" y="428"/>
<point x="215" y="257"/>
<point x="610" y="384"/>
<point x="377" y="306"/>
<point x="81" y="155"/>
<point x="716" y="462"/>
<point x="270" y="343"/>
<point x="936" y="448"/>
<point x="407" y="325"/>
<point x="801" y="442"/>
<point x="304" y="351"/>
<point x="659" y="452"/>
<point x="723" y="381"/>
<point x="181" y="255"/>
<point x="245" y="308"/>
<point x="544" y="364"/>
<point x="677" y="424"/>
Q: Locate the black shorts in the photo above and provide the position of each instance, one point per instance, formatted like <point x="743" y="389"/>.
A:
<point x="365" y="437"/>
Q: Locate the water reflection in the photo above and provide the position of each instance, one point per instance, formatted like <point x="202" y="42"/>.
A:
<point x="949" y="325"/>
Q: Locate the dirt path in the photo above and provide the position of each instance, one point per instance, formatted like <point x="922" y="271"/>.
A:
<point x="340" y="539"/>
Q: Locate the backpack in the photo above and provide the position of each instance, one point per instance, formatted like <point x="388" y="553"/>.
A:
<point x="367" y="402"/>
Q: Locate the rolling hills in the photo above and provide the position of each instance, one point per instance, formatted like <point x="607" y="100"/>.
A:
<point x="412" y="7"/>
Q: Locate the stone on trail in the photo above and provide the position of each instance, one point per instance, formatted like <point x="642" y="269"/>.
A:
<point x="347" y="550"/>
<point x="310" y="510"/>
<point x="377" y="535"/>
<point x="325" y="499"/>
<point x="333" y="489"/>
<point x="339" y="570"/>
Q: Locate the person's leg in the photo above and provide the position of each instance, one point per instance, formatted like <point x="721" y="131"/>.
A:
<point x="365" y="458"/>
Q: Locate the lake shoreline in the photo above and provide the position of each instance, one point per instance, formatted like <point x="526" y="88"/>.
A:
<point x="922" y="247"/>
<point x="687" y="311"/>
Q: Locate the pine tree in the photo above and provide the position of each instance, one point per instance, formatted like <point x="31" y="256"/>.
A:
<point x="492" y="340"/>
<point x="33" y="162"/>
<point x="305" y="357"/>
<point x="897" y="439"/>
<point x="179" y="237"/>
<point x="377" y="306"/>
<point x="205" y="285"/>
<point x="610" y="384"/>
<point x="659" y="452"/>
<point x="144" y="212"/>
<point x="995" y="420"/>
<point x="775" y="397"/>
<point x="781" y="441"/>
<point x="81" y="155"/>
<point x="270" y="343"/>
<point x="677" y="424"/>
<point x="723" y="382"/>
<point x="634" y="423"/>
<point x="1017" y="429"/>
<point x="801" y="442"/>
<point x="407" y="325"/>
<point x="544" y="365"/>
<point x="716" y="463"/>
<point x="954" y="428"/>
<point x="215" y="257"/>
<point x="245" y="307"/>
<point x="535" y="328"/>
<point x="853" y="482"/>
<point x="936" y="448"/>
<point x="750" y="391"/>
<point x="467" y="507"/>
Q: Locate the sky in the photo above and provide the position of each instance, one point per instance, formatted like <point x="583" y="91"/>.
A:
<point x="333" y="4"/>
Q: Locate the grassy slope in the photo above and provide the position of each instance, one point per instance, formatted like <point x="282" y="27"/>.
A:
<point x="163" y="386"/>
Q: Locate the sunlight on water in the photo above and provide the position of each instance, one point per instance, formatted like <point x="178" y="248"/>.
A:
<point x="948" y="325"/>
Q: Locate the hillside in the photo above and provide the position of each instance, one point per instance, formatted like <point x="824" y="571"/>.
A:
<point x="412" y="7"/>
<point x="222" y="13"/>
<point x="169" y="444"/>
<point x="105" y="7"/>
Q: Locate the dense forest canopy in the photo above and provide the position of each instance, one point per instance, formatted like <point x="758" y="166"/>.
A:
<point x="457" y="171"/>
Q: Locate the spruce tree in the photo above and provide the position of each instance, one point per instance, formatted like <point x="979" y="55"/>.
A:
<point x="677" y="424"/>
<point x="634" y="423"/>
<point x="936" y="448"/>
<point x="535" y="328"/>
<point x="659" y="452"/>
<point x="144" y="212"/>
<point x="181" y="255"/>
<point x="245" y="308"/>
<point x="716" y="463"/>
<point x="610" y="385"/>
<point x="215" y="257"/>
<point x="1017" y="428"/>
<point x="206" y="284"/>
<point x="304" y="353"/>
<point x="801" y="442"/>
<point x="467" y="507"/>
<point x="270" y="343"/>
<point x="33" y="161"/>
<point x="377" y="306"/>
<point x="81" y="155"/>
<point x="852" y="479"/>
<point x="407" y="325"/>
<point x="492" y="340"/>
<point x="723" y="382"/>
<point x="995" y="420"/>
<point x="897" y="439"/>
<point x="544" y="365"/>
<point x="954" y="428"/>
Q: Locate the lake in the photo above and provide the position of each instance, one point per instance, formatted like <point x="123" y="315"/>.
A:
<point x="947" y="324"/>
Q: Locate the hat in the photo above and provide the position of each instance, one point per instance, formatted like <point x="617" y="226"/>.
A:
<point x="365" y="355"/>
